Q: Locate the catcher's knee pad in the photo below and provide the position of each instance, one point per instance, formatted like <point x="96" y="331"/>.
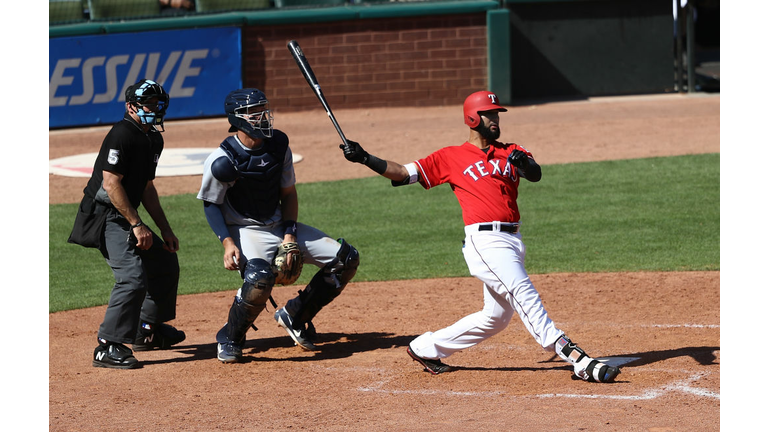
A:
<point x="344" y="267"/>
<point x="258" y="281"/>
<point x="251" y="299"/>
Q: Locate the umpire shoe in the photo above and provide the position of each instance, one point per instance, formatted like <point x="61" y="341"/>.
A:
<point x="435" y="367"/>
<point x="300" y="337"/>
<point x="157" y="336"/>
<point x="114" y="355"/>
<point x="229" y="352"/>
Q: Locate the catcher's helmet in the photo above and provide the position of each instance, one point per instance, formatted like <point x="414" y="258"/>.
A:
<point x="477" y="102"/>
<point x="142" y="94"/>
<point x="255" y="122"/>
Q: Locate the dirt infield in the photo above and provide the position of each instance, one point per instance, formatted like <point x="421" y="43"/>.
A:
<point x="663" y="327"/>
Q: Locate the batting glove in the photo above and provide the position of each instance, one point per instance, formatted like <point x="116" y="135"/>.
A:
<point x="353" y="152"/>
<point x="518" y="158"/>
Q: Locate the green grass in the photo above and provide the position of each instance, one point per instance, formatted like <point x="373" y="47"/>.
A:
<point x="658" y="214"/>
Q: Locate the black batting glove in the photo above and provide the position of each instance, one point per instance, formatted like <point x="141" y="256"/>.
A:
<point x="518" y="158"/>
<point x="353" y="152"/>
<point x="527" y="167"/>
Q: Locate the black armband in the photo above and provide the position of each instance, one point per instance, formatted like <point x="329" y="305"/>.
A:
<point x="376" y="164"/>
<point x="290" y="227"/>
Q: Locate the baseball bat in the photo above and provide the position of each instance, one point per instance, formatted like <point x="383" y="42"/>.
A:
<point x="309" y="75"/>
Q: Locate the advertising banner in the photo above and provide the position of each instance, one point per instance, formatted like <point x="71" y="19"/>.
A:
<point x="88" y="75"/>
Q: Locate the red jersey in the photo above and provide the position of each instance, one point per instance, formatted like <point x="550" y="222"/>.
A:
<point x="484" y="183"/>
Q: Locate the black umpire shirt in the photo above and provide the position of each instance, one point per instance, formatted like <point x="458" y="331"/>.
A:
<point x="128" y="151"/>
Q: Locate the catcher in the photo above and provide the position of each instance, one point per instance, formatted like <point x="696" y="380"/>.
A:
<point x="250" y="201"/>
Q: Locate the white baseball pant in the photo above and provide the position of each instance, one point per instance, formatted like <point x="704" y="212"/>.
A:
<point x="496" y="258"/>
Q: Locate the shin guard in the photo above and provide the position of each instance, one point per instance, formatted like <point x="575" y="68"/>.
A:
<point x="250" y="300"/>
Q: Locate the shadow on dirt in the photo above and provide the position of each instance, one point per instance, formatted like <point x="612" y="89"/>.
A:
<point x="331" y="346"/>
<point x="705" y="356"/>
<point x="341" y="345"/>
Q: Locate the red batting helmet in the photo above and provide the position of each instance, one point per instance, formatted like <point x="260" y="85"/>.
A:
<point x="480" y="101"/>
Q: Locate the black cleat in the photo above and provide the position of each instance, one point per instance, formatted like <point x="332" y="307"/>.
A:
<point x="157" y="336"/>
<point x="599" y="372"/>
<point x="584" y="366"/>
<point x="435" y="367"/>
<point x="115" y="356"/>
<point x="303" y="338"/>
<point x="229" y="352"/>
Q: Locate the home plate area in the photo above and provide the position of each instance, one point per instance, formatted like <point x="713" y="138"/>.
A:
<point x="173" y="162"/>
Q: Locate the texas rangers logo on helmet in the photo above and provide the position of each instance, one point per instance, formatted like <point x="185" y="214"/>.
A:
<point x="478" y="102"/>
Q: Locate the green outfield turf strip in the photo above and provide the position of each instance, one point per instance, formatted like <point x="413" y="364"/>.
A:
<point x="657" y="214"/>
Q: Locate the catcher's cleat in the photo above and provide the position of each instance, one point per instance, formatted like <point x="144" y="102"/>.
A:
<point x="114" y="355"/>
<point x="435" y="367"/>
<point x="157" y="336"/>
<point x="302" y="337"/>
<point x="229" y="352"/>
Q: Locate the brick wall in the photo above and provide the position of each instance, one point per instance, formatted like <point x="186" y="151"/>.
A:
<point x="409" y="61"/>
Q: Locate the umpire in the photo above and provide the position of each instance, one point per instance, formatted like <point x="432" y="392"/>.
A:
<point x="145" y="266"/>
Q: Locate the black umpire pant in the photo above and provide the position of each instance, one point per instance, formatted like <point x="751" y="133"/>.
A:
<point x="146" y="282"/>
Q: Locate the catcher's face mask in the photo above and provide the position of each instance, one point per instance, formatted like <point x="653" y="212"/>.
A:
<point x="258" y="117"/>
<point x="248" y="110"/>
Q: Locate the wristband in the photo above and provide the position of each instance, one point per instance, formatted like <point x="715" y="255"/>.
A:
<point x="290" y="227"/>
<point x="377" y="165"/>
<point x="138" y="224"/>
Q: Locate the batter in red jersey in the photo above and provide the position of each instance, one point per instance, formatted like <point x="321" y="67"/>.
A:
<point x="484" y="174"/>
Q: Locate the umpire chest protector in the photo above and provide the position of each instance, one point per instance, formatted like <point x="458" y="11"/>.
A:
<point x="257" y="174"/>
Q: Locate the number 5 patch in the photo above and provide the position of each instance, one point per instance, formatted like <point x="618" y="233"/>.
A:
<point x="114" y="155"/>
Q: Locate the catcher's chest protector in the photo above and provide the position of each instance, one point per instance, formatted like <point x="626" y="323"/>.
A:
<point x="256" y="192"/>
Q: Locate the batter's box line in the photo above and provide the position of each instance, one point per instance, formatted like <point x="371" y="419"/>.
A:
<point x="683" y="386"/>
<point x="621" y="325"/>
<point x="683" y="325"/>
<point x="376" y="388"/>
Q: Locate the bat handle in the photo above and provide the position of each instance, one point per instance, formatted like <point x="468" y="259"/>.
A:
<point x="333" y="120"/>
<point x="338" y="129"/>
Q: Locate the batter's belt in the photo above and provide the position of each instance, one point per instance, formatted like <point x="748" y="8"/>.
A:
<point x="511" y="228"/>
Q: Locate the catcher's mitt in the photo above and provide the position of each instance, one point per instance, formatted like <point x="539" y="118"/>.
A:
<point x="285" y="275"/>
